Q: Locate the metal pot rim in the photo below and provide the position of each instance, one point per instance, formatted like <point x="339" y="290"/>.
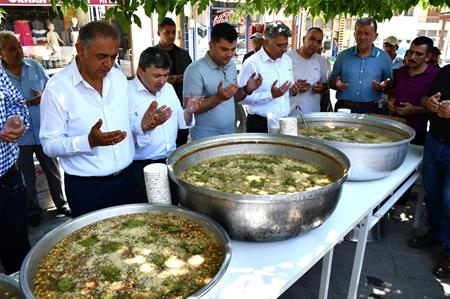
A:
<point x="362" y="119"/>
<point x="254" y="138"/>
<point x="129" y="209"/>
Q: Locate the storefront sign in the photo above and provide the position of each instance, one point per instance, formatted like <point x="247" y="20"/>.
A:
<point x="47" y="2"/>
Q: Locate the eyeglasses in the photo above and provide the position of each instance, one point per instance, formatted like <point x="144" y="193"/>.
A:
<point x="282" y="47"/>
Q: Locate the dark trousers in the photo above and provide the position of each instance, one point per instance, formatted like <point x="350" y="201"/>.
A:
<point x="256" y="124"/>
<point x="13" y="223"/>
<point x="52" y="172"/>
<point x="141" y="191"/>
<point x="341" y="104"/>
<point x="87" y="194"/>
<point x="182" y="137"/>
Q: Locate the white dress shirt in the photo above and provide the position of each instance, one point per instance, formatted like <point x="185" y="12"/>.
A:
<point x="261" y="101"/>
<point x="70" y="106"/>
<point x="160" y="142"/>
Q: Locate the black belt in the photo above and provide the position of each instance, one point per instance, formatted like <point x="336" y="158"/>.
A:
<point x="9" y="173"/>
<point x="148" y="161"/>
<point x="106" y="177"/>
<point x="370" y="105"/>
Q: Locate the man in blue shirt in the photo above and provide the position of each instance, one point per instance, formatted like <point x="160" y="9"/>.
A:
<point x="361" y="73"/>
<point x="29" y="78"/>
<point x="13" y="203"/>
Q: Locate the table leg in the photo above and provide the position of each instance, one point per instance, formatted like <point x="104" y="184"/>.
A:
<point x="359" y="256"/>
<point x="325" y="276"/>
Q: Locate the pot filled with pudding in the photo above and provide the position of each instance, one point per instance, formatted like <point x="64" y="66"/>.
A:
<point x="260" y="187"/>
<point x="376" y="146"/>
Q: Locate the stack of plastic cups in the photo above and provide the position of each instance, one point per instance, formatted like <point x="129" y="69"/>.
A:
<point x="273" y="123"/>
<point x="157" y="184"/>
<point x="288" y="126"/>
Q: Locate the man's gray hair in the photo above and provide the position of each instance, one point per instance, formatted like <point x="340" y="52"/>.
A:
<point x="96" y="28"/>
<point x="366" y="22"/>
<point x="6" y="35"/>
<point x="275" y="29"/>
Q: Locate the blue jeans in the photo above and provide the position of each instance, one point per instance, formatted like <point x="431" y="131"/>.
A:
<point x="436" y="181"/>
<point x="13" y="223"/>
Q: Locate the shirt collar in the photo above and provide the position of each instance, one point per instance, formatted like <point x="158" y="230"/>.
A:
<point x="374" y="52"/>
<point x="141" y="88"/>
<point x="212" y="64"/>
<point x="76" y="75"/>
<point x="26" y="64"/>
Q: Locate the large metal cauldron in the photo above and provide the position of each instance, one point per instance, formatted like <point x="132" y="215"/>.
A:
<point x="261" y="217"/>
<point x="10" y="285"/>
<point x="369" y="161"/>
<point x="40" y="250"/>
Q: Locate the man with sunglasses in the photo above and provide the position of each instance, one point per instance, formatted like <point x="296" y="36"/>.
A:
<point x="276" y="69"/>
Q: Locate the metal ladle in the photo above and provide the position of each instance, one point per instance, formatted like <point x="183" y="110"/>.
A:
<point x="303" y="117"/>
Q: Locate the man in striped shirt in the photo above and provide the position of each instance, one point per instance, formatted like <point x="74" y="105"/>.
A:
<point x="13" y="202"/>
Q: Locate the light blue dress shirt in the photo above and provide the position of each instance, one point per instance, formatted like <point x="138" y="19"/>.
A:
<point x="33" y="76"/>
<point x="359" y="72"/>
<point x="202" y="78"/>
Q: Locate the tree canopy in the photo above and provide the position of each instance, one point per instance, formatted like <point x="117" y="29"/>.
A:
<point x="125" y="10"/>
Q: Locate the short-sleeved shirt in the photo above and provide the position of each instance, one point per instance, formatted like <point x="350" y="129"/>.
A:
<point x="202" y="78"/>
<point x="440" y="127"/>
<point x="32" y="76"/>
<point x="313" y="70"/>
<point x="409" y="89"/>
<point x="359" y="72"/>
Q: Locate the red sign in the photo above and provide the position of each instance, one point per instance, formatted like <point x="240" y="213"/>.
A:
<point x="47" y="2"/>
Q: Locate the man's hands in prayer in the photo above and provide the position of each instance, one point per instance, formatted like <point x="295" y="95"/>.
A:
<point x="253" y="83"/>
<point x="380" y="86"/>
<point x="279" y="91"/>
<point x="13" y="128"/>
<point x="192" y="106"/>
<point x="341" y="85"/>
<point x="36" y="100"/>
<point x="98" y="138"/>
<point x="299" y="86"/>
<point x="433" y="102"/>
<point x="318" y="87"/>
<point x="155" y="116"/>
<point x="224" y="94"/>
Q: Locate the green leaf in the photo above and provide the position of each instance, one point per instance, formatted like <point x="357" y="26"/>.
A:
<point x="137" y="21"/>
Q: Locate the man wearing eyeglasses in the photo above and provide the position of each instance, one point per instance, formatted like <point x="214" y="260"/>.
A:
<point x="276" y="69"/>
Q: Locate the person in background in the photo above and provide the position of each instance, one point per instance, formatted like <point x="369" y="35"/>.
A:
<point x="310" y="70"/>
<point x="257" y="43"/>
<point x="390" y="46"/>
<point x="436" y="172"/>
<point x="276" y="69"/>
<point x="325" y="99"/>
<point x="435" y="57"/>
<point x="29" y="77"/>
<point x="150" y="85"/>
<point x="180" y="61"/>
<point x="361" y="73"/>
<point x="335" y="48"/>
<point x="13" y="200"/>
<point x="411" y="83"/>
<point x="87" y="121"/>
<point x="215" y="77"/>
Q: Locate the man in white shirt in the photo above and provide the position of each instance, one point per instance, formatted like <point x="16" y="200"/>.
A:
<point x="276" y="69"/>
<point x="87" y="121"/>
<point x="148" y="86"/>
<point x="310" y="69"/>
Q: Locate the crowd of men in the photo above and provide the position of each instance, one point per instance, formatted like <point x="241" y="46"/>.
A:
<point x="105" y="130"/>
